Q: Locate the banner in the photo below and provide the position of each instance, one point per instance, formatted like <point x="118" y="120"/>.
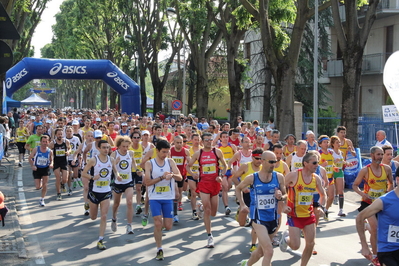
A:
<point x="391" y="77"/>
<point x="355" y="165"/>
<point x="45" y="90"/>
<point x="390" y="113"/>
<point x="4" y="111"/>
<point x="1" y="146"/>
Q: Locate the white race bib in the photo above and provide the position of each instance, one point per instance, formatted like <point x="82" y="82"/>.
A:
<point x="393" y="233"/>
<point x="266" y="202"/>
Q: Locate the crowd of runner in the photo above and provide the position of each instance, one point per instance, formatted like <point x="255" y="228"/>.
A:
<point x="153" y="162"/>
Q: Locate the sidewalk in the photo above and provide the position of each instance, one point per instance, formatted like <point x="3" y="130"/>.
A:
<point x="12" y="246"/>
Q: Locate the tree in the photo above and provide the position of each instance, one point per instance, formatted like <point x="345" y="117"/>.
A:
<point x="352" y="38"/>
<point x="281" y="50"/>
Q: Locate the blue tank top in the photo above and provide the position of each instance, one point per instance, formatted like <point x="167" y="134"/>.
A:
<point x="388" y="223"/>
<point x="263" y="203"/>
<point x="313" y="147"/>
<point x="123" y="134"/>
<point x="316" y="195"/>
<point x="393" y="167"/>
<point x="42" y="159"/>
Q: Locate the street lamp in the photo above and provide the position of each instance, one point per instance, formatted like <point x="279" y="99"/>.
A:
<point x="171" y="11"/>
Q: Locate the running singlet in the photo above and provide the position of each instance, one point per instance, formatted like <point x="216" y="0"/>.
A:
<point x="60" y="152"/>
<point x="42" y="159"/>
<point x="21" y="134"/>
<point x="250" y="171"/>
<point x="195" y="167"/>
<point x="338" y="159"/>
<point x="296" y="162"/>
<point x="287" y="152"/>
<point x="209" y="165"/>
<point x="388" y="223"/>
<point x="344" y="148"/>
<point x="245" y="159"/>
<point x="300" y="197"/>
<point x="74" y="142"/>
<point x="312" y="147"/>
<point x="104" y="169"/>
<point x="263" y="202"/>
<point x="375" y="186"/>
<point x="180" y="159"/>
<point x="280" y="167"/>
<point x="227" y="151"/>
<point x="124" y="167"/>
<point x="329" y="158"/>
<point x="138" y="156"/>
<point x="164" y="189"/>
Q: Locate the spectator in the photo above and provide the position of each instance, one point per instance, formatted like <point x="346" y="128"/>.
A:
<point x="381" y="139"/>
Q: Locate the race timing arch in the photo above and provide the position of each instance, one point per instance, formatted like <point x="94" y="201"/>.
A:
<point x="42" y="68"/>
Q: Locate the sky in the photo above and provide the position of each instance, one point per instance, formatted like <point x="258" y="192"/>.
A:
<point x="43" y="33"/>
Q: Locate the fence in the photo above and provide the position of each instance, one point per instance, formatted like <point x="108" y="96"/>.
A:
<point x="368" y="126"/>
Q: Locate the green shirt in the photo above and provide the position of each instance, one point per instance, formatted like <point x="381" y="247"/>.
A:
<point x="33" y="141"/>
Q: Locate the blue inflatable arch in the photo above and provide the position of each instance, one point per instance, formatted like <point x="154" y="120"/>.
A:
<point x="41" y="68"/>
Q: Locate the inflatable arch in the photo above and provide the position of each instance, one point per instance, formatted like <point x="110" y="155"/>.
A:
<point x="41" y="68"/>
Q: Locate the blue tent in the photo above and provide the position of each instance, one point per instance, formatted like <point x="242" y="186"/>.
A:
<point x="12" y="102"/>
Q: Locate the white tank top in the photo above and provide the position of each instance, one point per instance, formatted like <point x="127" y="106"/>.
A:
<point x="146" y="149"/>
<point x="124" y="167"/>
<point x="74" y="142"/>
<point x="104" y="169"/>
<point x="296" y="162"/>
<point x="164" y="189"/>
<point x="245" y="159"/>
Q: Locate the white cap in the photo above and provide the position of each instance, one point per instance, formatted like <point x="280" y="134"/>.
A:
<point x="124" y="124"/>
<point x="48" y="121"/>
<point x="75" y="122"/>
<point x="79" y="113"/>
<point x="119" y="118"/>
<point x="73" y="113"/>
<point x="32" y="117"/>
<point x="98" y="119"/>
<point x="97" y="133"/>
<point x="268" y="129"/>
<point x="145" y="132"/>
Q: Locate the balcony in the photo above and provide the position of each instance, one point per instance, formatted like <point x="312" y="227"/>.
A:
<point x="385" y="8"/>
<point x="372" y="64"/>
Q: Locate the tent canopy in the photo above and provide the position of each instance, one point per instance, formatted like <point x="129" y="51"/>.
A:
<point x="35" y="100"/>
<point x="12" y="102"/>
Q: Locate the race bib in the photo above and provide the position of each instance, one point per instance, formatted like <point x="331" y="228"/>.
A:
<point x="60" y="153"/>
<point x="194" y="168"/>
<point x="305" y="198"/>
<point x="100" y="184"/>
<point x="42" y="161"/>
<point x="124" y="176"/>
<point x="209" y="169"/>
<point x="162" y="189"/>
<point x="178" y="160"/>
<point x="21" y="138"/>
<point x="393" y="233"/>
<point x="376" y="193"/>
<point x="266" y="202"/>
<point x="329" y="169"/>
<point x="298" y="165"/>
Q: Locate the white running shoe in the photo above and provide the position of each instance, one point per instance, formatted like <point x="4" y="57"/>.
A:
<point x="283" y="242"/>
<point x="211" y="244"/>
<point x="114" y="226"/>
<point x="129" y="229"/>
<point x="41" y="202"/>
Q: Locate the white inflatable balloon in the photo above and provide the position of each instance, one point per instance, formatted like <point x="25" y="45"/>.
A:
<point x="391" y="77"/>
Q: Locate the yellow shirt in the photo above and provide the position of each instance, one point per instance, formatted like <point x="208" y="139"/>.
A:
<point x="300" y="197"/>
<point x="21" y="132"/>
<point x="138" y="156"/>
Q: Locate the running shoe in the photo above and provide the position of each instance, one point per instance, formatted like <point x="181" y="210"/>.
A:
<point x="144" y="220"/>
<point x="87" y="206"/>
<point x="375" y="262"/>
<point x="63" y="189"/>
<point x="335" y="201"/>
<point x="80" y="183"/>
<point x="341" y="213"/>
<point x="227" y="211"/>
<point x="175" y="219"/>
<point x="252" y="248"/>
<point x="275" y="242"/>
<point x="200" y="210"/>
<point x="138" y="209"/>
<point x="195" y="216"/>
<point x="142" y="200"/>
<point x="314" y="252"/>
<point x="100" y="245"/>
<point x="283" y="242"/>
<point x="114" y="226"/>
<point x="159" y="255"/>
<point x="211" y="244"/>
<point x="243" y="263"/>
<point x="87" y="213"/>
<point x="326" y="216"/>
<point x="20" y="164"/>
<point x="41" y="202"/>
<point x="180" y="206"/>
<point x="129" y="229"/>
<point x="75" y="183"/>
<point x="237" y="213"/>
<point x="59" y="197"/>
<point x="70" y="192"/>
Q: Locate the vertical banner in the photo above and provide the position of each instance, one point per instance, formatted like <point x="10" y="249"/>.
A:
<point x="4" y="111"/>
<point x="1" y="147"/>
<point x="391" y="77"/>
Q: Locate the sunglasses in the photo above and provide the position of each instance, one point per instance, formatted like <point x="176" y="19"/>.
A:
<point x="315" y="162"/>
<point x="257" y="158"/>
<point x="207" y="140"/>
<point x="135" y="137"/>
<point x="272" y="161"/>
<point x="185" y="140"/>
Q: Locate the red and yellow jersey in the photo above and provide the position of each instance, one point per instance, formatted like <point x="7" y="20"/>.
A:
<point x="329" y="158"/>
<point x="138" y="156"/>
<point x="195" y="167"/>
<point x="375" y="186"/>
<point x="344" y="149"/>
<point x="300" y="197"/>
<point x="287" y="152"/>
<point x="209" y="165"/>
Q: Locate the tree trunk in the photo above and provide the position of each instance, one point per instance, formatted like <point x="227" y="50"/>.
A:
<point x="267" y="94"/>
<point x="202" y="90"/>
<point x="191" y="85"/>
<point x="143" y="92"/>
<point x="112" y="98"/>
<point x="104" y="98"/>
<point x="285" y="99"/>
<point x="234" y="73"/>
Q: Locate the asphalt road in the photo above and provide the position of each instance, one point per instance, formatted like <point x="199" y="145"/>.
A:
<point x="59" y="234"/>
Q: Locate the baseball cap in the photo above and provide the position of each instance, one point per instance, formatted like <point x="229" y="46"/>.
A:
<point x="79" y="113"/>
<point x="32" y="117"/>
<point x="268" y="129"/>
<point x="1" y="200"/>
<point x="48" y="121"/>
<point x="145" y="132"/>
<point x="98" y="119"/>
<point x="75" y="122"/>
<point x="97" y="133"/>
<point x="124" y="124"/>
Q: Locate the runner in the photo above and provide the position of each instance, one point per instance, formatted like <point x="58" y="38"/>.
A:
<point x="345" y="144"/>
<point x="34" y="140"/>
<point x="100" y="167"/>
<point x="378" y="180"/>
<point x="245" y="170"/>
<point x="194" y="170"/>
<point x="41" y="160"/>
<point x="268" y="187"/>
<point x="61" y="150"/>
<point x="87" y="155"/>
<point x="22" y="135"/>
<point x="310" y="141"/>
<point x="388" y="228"/>
<point x="327" y="161"/>
<point x="74" y="158"/>
<point x="294" y="160"/>
<point x="209" y="180"/>
<point x="275" y="139"/>
<point x="124" y="161"/>
<point x="301" y="186"/>
<point x="338" y="174"/>
<point x="137" y="173"/>
<point x="290" y="146"/>
<point x="160" y="176"/>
